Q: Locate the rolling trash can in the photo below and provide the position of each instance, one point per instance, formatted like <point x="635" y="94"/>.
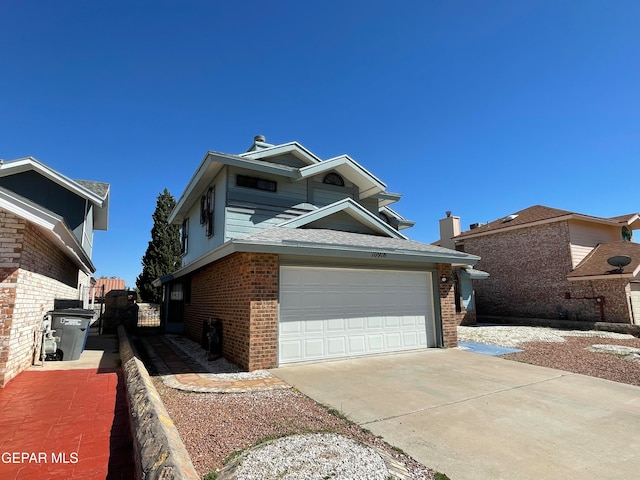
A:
<point x="71" y="325"/>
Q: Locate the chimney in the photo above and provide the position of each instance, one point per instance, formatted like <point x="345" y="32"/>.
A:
<point x="449" y="228"/>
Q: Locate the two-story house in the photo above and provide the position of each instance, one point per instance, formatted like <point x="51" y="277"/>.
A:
<point x="556" y="264"/>
<point x="303" y="259"/>
<point x="47" y="223"/>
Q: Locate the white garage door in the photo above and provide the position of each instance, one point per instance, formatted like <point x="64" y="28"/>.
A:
<point x="334" y="312"/>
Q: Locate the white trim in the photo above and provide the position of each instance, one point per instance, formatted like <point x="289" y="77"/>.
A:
<point x="368" y="183"/>
<point x="292" y="147"/>
<point x="26" y="164"/>
<point x="350" y="207"/>
<point x="53" y="226"/>
<point x="210" y="167"/>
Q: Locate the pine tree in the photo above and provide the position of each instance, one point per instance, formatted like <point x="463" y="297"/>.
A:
<point x="163" y="253"/>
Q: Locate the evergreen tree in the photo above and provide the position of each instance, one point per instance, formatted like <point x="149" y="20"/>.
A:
<point x="163" y="253"/>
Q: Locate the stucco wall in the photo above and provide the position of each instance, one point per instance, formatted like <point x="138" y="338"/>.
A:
<point x="33" y="272"/>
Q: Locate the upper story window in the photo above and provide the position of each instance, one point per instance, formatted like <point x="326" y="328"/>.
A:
<point x="257" y="183"/>
<point x="333" y="179"/>
<point x="206" y="211"/>
<point x="184" y="236"/>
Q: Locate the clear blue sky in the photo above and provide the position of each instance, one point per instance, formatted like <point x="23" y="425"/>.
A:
<point x="478" y="107"/>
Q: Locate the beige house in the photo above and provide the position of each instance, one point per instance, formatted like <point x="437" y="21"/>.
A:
<point x="555" y="264"/>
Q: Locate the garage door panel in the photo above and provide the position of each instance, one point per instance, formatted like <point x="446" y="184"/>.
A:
<point x="357" y="344"/>
<point x="330" y="313"/>
<point x="291" y="349"/>
<point x="336" y="346"/>
<point x="335" y="325"/>
<point x="314" y="348"/>
<point x="376" y="342"/>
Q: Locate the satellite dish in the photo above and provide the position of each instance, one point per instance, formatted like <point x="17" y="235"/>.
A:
<point x="619" y="261"/>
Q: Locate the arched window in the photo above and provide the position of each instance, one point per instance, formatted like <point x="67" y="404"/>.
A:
<point x="333" y="179"/>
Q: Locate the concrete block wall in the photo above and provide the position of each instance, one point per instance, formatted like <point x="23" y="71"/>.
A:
<point x="242" y="291"/>
<point x="33" y="272"/>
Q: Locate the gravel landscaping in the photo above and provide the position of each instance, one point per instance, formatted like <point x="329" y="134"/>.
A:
<point x="569" y="350"/>
<point x="216" y="427"/>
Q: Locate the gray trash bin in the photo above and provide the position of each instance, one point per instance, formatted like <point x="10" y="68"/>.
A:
<point x="72" y="326"/>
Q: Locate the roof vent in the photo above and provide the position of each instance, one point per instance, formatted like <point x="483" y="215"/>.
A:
<point x="259" y="138"/>
<point x="473" y="226"/>
<point x="509" y="218"/>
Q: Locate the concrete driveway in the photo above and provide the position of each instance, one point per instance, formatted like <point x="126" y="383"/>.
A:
<point x="477" y="417"/>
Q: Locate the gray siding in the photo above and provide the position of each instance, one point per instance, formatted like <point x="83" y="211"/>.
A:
<point x="48" y="194"/>
<point x="341" y="221"/>
<point x="243" y="221"/>
<point x="250" y="210"/>
<point x="288" y="159"/>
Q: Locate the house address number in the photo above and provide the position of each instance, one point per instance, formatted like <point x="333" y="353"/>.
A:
<point x="378" y="254"/>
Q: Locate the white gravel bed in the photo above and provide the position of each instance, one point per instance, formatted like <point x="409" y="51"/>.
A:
<point x="312" y="457"/>
<point x="621" y="350"/>
<point x="221" y="367"/>
<point x="515" y="336"/>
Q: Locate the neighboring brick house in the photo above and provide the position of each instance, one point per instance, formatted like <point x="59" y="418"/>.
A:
<point x="46" y="236"/>
<point x="302" y="259"/>
<point x="553" y="264"/>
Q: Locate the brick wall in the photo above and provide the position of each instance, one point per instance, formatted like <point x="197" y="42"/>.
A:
<point x="615" y="306"/>
<point x="527" y="268"/>
<point x="450" y="318"/>
<point x="33" y="272"/>
<point x="528" y="278"/>
<point x="242" y="291"/>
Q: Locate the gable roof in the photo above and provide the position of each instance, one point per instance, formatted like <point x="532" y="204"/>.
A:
<point x="52" y="225"/>
<point x="352" y="208"/>
<point x="367" y="183"/>
<point x="95" y="192"/>
<point x="257" y="159"/>
<point x="330" y="243"/>
<point x="267" y="150"/>
<point x="595" y="266"/>
<point x="539" y="215"/>
<point x="209" y="167"/>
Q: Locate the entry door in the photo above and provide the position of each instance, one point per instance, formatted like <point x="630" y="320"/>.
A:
<point x="175" y="311"/>
<point x="335" y="312"/>
<point x="635" y="302"/>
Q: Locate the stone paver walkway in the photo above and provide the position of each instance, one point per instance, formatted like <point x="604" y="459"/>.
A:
<point x="180" y="372"/>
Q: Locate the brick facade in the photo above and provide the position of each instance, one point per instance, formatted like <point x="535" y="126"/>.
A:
<point x="33" y="272"/>
<point x="450" y="318"/>
<point x="242" y="291"/>
<point x="528" y="270"/>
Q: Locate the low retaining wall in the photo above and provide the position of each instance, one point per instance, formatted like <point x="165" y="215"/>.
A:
<point x="563" y="324"/>
<point x="158" y="449"/>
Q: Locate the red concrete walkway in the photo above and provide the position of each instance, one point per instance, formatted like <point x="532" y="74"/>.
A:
<point x="65" y="424"/>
